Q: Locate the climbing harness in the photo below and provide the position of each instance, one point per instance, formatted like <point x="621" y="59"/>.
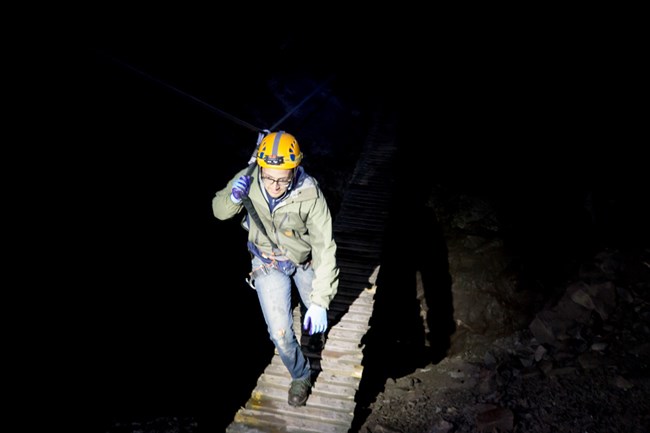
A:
<point x="273" y="261"/>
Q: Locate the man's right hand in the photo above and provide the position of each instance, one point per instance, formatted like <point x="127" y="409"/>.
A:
<point x="240" y="189"/>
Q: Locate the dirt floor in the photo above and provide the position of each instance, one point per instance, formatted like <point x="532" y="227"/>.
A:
<point x="551" y="335"/>
<point x="589" y="372"/>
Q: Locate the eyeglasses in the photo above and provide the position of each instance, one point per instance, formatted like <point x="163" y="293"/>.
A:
<point x="282" y="182"/>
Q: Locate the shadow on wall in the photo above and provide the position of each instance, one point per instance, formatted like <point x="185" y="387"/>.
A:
<point x="412" y="320"/>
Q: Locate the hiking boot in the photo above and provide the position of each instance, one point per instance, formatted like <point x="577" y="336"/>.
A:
<point x="299" y="391"/>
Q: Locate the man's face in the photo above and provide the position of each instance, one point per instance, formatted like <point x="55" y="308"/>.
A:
<point x="276" y="181"/>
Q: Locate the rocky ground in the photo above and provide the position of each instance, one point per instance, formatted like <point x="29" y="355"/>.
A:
<point x="577" y="363"/>
<point x="581" y="366"/>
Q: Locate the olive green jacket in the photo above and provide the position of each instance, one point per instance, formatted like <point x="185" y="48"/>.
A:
<point x="300" y="225"/>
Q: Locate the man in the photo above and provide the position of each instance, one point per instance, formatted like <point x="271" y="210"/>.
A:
<point x="290" y="239"/>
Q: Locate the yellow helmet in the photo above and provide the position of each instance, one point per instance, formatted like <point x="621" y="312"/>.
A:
<point x="279" y="150"/>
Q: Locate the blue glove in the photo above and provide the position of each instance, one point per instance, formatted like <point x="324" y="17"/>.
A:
<point x="315" y="319"/>
<point x="240" y="189"/>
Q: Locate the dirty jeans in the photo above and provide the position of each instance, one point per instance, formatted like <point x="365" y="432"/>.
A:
<point x="274" y="293"/>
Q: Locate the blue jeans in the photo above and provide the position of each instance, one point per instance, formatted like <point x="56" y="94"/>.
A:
<point x="273" y="289"/>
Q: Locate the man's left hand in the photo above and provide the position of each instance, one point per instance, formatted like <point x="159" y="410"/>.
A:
<point x="315" y="319"/>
